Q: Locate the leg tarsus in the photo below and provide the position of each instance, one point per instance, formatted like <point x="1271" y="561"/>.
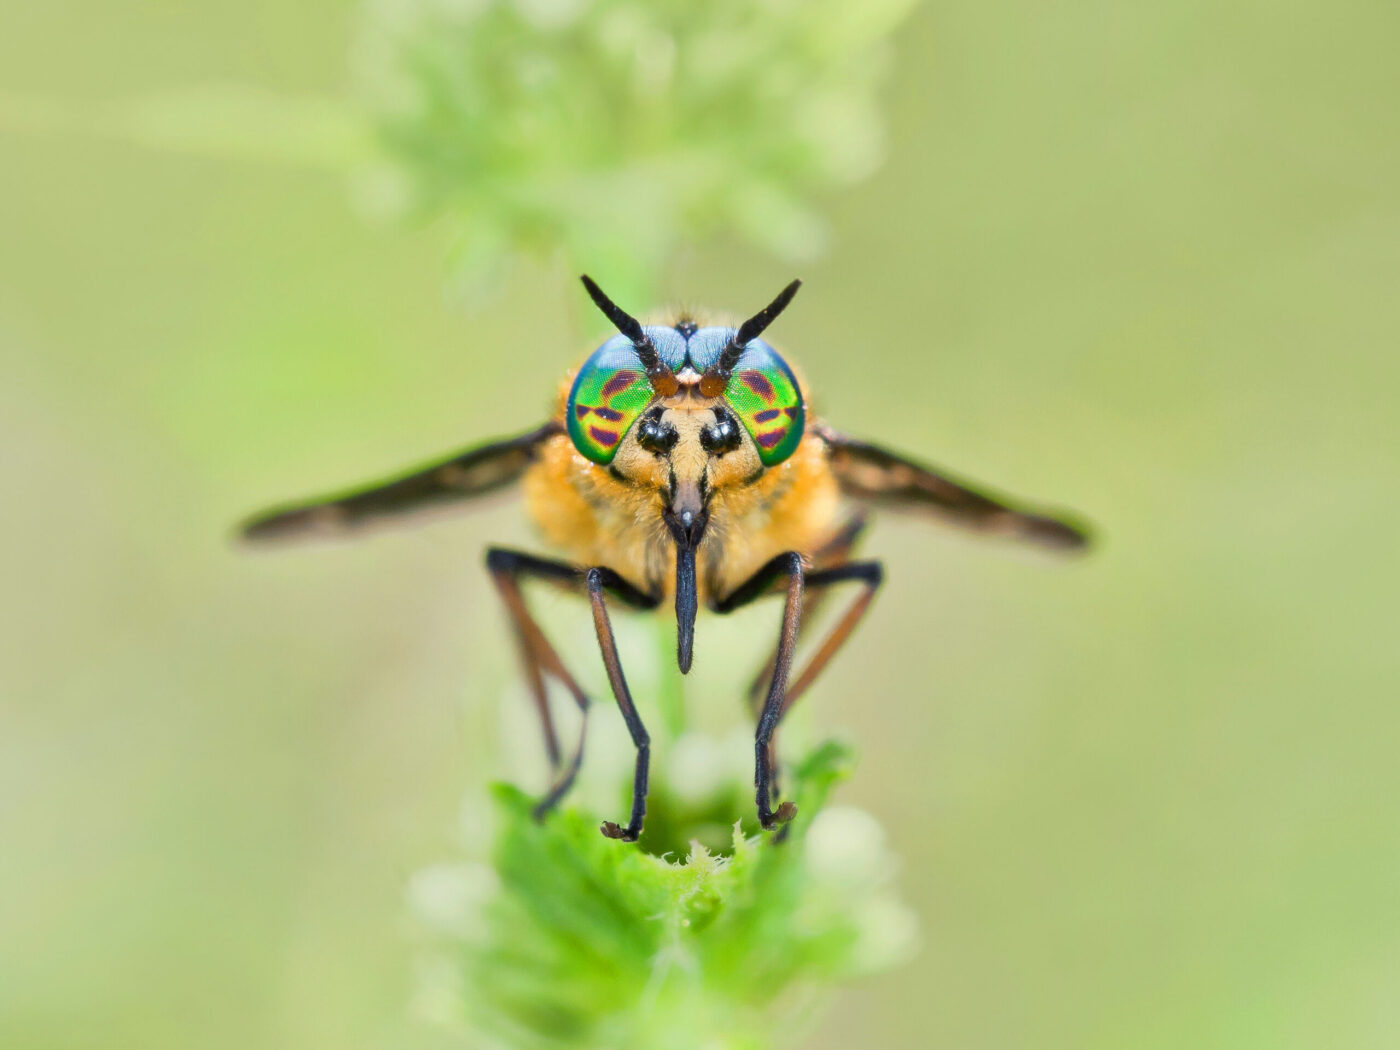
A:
<point x="633" y="830"/>
<point x="565" y="780"/>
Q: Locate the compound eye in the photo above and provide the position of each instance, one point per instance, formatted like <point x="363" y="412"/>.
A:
<point x="655" y="436"/>
<point x="765" y="397"/>
<point x="611" y="391"/>
<point x="723" y="436"/>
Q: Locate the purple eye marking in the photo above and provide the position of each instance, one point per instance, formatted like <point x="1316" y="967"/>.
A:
<point x="612" y="415"/>
<point x="758" y="383"/>
<point x="769" y="439"/>
<point x="618" y="383"/>
<point x="767" y="414"/>
<point x="791" y="411"/>
<point x="603" y="437"/>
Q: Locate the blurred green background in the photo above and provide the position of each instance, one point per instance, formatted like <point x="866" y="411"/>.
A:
<point x="1136" y="260"/>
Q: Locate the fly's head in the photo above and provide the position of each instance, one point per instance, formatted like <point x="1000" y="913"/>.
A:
<point x="686" y="411"/>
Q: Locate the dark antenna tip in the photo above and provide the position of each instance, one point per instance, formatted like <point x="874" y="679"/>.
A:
<point x="754" y="326"/>
<point x="716" y="378"/>
<point x="659" y="374"/>
<point x="621" y="319"/>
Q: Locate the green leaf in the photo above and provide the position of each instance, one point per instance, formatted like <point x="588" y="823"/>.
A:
<point x="583" y="941"/>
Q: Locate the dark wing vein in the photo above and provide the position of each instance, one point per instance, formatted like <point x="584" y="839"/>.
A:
<point x="874" y="475"/>
<point x="475" y="472"/>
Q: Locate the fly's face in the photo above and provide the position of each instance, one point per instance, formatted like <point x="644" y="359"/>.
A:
<point x="686" y="411"/>
<point x="686" y="448"/>
<point x="685" y="451"/>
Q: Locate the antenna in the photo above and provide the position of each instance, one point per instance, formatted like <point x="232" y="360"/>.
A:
<point x="716" y="378"/>
<point x="662" y="379"/>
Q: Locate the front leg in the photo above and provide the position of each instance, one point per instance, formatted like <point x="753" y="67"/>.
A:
<point x="597" y="580"/>
<point x="787" y="565"/>
<point x="508" y="568"/>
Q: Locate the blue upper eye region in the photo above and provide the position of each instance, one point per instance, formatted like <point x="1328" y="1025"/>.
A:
<point x="699" y="352"/>
<point x="705" y="345"/>
<point x="669" y="343"/>
<point x="617" y="352"/>
<point x="705" y="348"/>
<point x="676" y="352"/>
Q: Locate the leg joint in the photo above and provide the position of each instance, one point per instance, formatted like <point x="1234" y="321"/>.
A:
<point x="784" y="566"/>
<point x="501" y="561"/>
<point x="870" y="573"/>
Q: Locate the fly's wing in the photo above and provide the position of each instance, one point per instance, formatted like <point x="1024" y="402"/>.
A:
<point x="873" y="475"/>
<point x="473" y="473"/>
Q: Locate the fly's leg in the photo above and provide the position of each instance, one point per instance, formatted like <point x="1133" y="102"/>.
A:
<point x="508" y="568"/>
<point x="787" y="565"/>
<point x="835" y="552"/>
<point x="607" y="644"/>
<point x="539" y="657"/>
<point x="780" y="696"/>
<point x="871" y="574"/>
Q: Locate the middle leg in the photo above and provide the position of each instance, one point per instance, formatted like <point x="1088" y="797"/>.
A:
<point x="787" y="565"/>
<point x="836" y="551"/>
<point x="508" y="569"/>
<point x="781" y="696"/>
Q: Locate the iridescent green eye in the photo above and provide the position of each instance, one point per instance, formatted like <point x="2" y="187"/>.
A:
<point x="762" y="391"/>
<point x="611" y="391"/>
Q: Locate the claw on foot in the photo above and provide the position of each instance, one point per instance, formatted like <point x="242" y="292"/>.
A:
<point x="781" y="815"/>
<point x="616" y="831"/>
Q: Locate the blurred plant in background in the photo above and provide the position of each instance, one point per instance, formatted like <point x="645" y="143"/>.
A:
<point x="615" y="132"/>
<point x="609" y="133"/>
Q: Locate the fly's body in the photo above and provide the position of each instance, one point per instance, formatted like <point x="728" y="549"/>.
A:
<point x="682" y="467"/>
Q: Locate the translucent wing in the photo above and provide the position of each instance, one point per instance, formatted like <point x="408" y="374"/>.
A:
<point x="473" y="473"/>
<point x="876" y="476"/>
